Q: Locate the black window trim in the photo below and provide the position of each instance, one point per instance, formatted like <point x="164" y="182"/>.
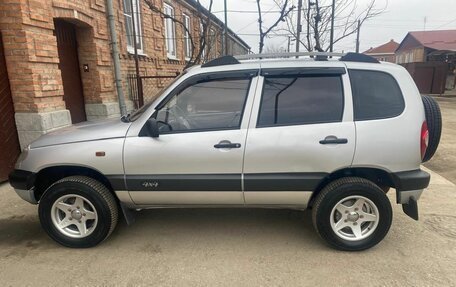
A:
<point x="353" y="96"/>
<point x="207" y="77"/>
<point x="290" y="75"/>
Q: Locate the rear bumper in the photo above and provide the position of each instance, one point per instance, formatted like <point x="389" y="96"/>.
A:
<point x="23" y="183"/>
<point x="409" y="187"/>
<point x="410" y="184"/>
<point x="411" y="180"/>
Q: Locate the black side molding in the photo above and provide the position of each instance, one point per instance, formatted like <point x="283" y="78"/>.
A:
<point x="411" y="180"/>
<point x="22" y="179"/>
<point x="307" y="181"/>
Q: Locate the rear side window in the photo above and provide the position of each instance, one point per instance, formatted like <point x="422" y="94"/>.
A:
<point x="376" y="95"/>
<point x="295" y="100"/>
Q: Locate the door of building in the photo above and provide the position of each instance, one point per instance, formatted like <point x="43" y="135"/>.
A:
<point x="9" y="143"/>
<point x="69" y="67"/>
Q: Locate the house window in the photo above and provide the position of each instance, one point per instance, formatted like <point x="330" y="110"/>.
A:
<point x="203" y="53"/>
<point x="130" y="18"/>
<point x="170" y="32"/>
<point x="212" y="44"/>
<point x="187" y="42"/>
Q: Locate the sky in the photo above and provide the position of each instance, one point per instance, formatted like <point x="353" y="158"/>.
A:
<point x="399" y="17"/>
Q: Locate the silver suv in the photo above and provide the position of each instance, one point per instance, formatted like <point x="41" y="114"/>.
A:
<point x="328" y="133"/>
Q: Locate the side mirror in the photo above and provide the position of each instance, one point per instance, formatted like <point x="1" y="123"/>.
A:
<point x="152" y="128"/>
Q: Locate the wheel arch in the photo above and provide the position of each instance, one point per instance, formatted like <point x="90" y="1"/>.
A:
<point x="377" y="175"/>
<point x="49" y="175"/>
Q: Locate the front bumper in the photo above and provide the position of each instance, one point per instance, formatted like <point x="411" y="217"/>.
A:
<point x="409" y="187"/>
<point x="23" y="183"/>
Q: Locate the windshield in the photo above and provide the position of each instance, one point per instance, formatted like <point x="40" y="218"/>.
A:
<point x="137" y="113"/>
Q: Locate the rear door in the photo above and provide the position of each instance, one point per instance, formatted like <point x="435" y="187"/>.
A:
<point x="301" y="130"/>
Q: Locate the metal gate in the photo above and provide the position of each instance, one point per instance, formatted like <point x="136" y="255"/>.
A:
<point x="430" y="77"/>
<point x="69" y="66"/>
<point x="150" y="86"/>
<point x="9" y="143"/>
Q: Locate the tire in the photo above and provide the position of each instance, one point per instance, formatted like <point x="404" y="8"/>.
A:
<point x="336" y="196"/>
<point x="385" y="188"/>
<point x="78" y="212"/>
<point x="434" y="124"/>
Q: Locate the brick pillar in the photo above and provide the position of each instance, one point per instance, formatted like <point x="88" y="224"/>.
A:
<point x="32" y="63"/>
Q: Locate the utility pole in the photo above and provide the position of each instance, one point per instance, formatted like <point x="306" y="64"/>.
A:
<point x="308" y="24"/>
<point x="331" y="36"/>
<point x="299" y="28"/>
<point x="357" y="36"/>
<point x="225" y="32"/>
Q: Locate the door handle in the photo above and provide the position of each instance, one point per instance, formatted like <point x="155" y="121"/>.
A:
<point x="333" y="140"/>
<point x="227" y="144"/>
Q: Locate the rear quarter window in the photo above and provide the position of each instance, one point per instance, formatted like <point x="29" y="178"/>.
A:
<point x="376" y="95"/>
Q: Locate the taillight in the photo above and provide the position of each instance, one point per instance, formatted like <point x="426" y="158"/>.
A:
<point x="424" y="140"/>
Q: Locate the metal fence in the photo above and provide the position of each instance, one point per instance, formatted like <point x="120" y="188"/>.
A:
<point x="147" y="88"/>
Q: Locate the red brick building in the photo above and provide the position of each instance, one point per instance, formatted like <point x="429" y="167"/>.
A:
<point x="384" y="52"/>
<point x="58" y="59"/>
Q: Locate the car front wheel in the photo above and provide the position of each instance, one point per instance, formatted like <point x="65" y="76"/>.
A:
<point x="78" y="212"/>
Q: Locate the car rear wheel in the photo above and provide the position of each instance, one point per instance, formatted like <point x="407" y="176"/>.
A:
<point x="434" y="124"/>
<point x="352" y="214"/>
<point x="78" y="212"/>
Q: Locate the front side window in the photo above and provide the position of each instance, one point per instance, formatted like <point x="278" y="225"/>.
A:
<point x="133" y="17"/>
<point x="208" y="105"/>
<point x="376" y="95"/>
<point x="187" y="43"/>
<point x="295" y="100"/>
<point x="170" y="32"/>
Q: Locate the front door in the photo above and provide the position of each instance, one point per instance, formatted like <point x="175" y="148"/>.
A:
<point x="69" y="66"/>
<point x="298" y="135"/>
<point x="197" y="159"/>
<point x="9" y="143"/>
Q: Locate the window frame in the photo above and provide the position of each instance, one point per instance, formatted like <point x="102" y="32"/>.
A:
<point x="354" y="101"/>
<point x="208" y="77"/>
<point x="173" y="30"/>
<point x="187" y="42"/>
<point x="138" y="26"/>
<point x="332" y="72"/>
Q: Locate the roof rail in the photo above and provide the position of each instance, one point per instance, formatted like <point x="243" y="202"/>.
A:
<point x="318" y="56"/>
<point x="221" y="61"/>
<point x="288" y="55"/>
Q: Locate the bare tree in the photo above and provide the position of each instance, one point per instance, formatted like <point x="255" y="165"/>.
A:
<point x="284" y="11"/>
<point x="204" y="16"/>
<point x="317" y="21"/>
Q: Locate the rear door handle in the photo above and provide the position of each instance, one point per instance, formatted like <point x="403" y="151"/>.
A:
<point x="333" y="140"/>
<point x="227" y="144"/>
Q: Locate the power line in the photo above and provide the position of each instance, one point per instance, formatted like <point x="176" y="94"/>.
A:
<point x="454" y="20"/>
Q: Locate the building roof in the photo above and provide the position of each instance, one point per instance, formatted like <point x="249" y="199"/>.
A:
<point x="438" y="40"/>
<point x="387" y="48"/>
<point x="219" y="22"/>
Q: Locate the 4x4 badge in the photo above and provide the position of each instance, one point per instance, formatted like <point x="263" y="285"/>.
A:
<point x="150" y="184"/>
